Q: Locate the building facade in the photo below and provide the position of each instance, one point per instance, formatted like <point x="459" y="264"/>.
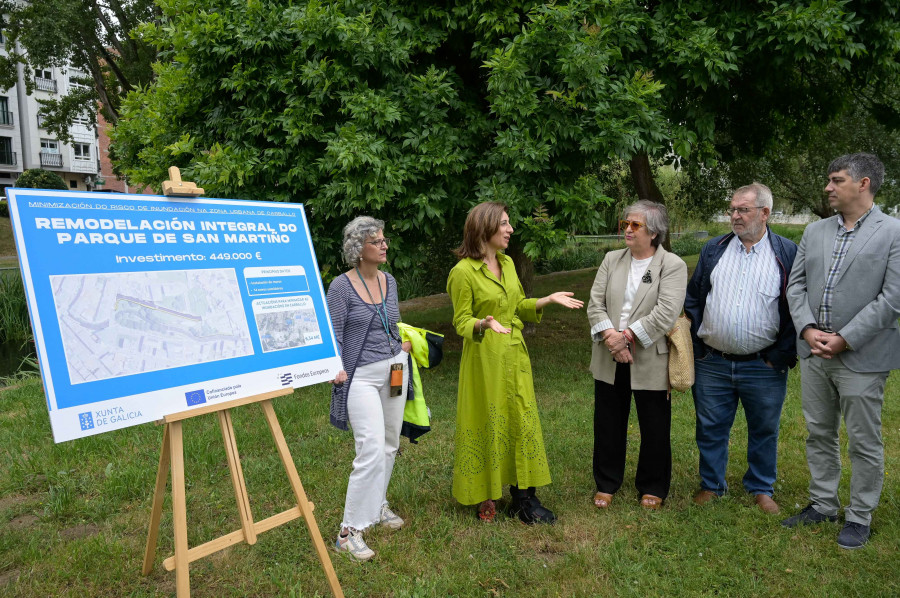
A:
<point x="26" y="144"/>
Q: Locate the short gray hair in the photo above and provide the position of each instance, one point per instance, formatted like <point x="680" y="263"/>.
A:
<point x="357" y="232"/>
<point x="763" y="194"/>
<point x="656" y="218"/>
<point x="860" y="165"/>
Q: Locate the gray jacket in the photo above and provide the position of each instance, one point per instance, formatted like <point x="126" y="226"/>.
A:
<point x="866" y="301"/>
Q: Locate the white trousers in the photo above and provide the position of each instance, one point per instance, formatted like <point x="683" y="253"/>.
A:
<point x="376" y="419"/>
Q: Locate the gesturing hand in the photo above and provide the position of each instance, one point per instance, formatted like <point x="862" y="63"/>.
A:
<point x="491" y="324"/>
<point x="564" y="298"/>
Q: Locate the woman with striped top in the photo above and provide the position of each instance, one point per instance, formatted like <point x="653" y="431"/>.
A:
<point x="370" y="392"/>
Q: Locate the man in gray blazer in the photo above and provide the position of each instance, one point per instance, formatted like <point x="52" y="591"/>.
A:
<point x="844" y="296"/>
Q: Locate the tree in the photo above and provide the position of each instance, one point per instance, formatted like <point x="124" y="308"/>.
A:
<point x="406" y="111"/>
<point x="38" y="178"/>
<point x="414" y="111"/>
<point x="743" y="80"/>
<point x="796" y="171"/>
<point x="96" y="37"/>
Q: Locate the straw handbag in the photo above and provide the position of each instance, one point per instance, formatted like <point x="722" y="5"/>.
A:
<point x="681" y="354"/>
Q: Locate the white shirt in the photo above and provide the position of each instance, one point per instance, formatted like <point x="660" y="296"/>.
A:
<point x="741" y="313"/>
<point x="638" y="269"/>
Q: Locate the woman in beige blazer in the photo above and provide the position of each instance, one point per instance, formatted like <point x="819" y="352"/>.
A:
<point x="637" y="296"/>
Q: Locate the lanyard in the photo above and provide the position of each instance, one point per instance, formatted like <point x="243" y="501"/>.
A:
<point x="383" y="317"/>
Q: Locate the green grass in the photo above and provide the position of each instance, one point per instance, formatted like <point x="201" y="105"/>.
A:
<point x="14" y="323"/>
<point x="73" y="516"/>
<point x="7" y="244"/>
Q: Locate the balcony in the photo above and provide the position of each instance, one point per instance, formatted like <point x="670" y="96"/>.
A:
<point x="45" y="84"/>
<point x="8" y="158"/>
<point x="6" y="118"/>
<point x="49" y="160"/>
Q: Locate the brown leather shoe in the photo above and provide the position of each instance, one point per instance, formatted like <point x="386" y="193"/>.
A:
<point x="704" y="496"/>
<point x="766" y="504"/>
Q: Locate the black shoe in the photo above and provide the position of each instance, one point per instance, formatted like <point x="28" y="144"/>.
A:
<point x="853" y="535"/>
<point x="807" y="516"/>
<point x="526" y="506"/>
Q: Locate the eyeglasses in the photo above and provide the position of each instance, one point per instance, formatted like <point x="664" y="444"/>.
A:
<point x="380" y="242"/>
<point x="634" y="224"/>
<point x="741" y="211"/>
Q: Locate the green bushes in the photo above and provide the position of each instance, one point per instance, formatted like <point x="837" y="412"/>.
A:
<point x="38" y="178"/>
<point x="573" y="257"/>
<point x="687" y="245"/>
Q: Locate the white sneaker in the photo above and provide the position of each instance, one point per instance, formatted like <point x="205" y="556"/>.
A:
<point x="389" y="519"/>
<point x="354" y="545"/>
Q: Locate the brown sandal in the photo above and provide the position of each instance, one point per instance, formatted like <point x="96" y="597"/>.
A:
<point x="602" y="500"/>
<point x="487" y="510"/>
<point x="648" y="501"/>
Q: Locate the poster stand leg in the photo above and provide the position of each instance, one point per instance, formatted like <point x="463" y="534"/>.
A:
<point x="172" y="457"/>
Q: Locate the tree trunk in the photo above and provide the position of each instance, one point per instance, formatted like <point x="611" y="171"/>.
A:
<point x="525" y="270"/>
<point x="642" y="177"/>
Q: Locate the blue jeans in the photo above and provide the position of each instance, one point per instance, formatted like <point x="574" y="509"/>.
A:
<point x="719" y="385"/>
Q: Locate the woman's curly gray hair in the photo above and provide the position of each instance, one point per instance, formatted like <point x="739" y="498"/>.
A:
<point x="357" y="232"/>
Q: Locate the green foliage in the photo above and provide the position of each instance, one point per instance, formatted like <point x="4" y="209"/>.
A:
<point x="687" y="245"/>
<point x="571" y="257"/>
<point x="793" y="232"/>
<point x="38" y="178"/>
<point x="14" y="323"/>
<point x="413" y="112"/>
<point x="406" y="112"/>
<point x="97" y="38"/>
<point x="795" y="168"/>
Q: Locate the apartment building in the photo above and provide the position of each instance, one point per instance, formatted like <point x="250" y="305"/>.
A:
<point x="25" y="143"/>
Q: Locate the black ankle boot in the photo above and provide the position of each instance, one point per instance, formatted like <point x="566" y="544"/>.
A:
<point x="528" y="508"/>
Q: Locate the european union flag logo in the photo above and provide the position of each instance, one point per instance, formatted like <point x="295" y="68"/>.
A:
<point x="86" y="420"/>
<point x="195" y="397"/>
<point x="286" y="379"/>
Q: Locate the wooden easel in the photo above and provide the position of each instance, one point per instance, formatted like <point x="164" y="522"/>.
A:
<point x="172" y="454"/>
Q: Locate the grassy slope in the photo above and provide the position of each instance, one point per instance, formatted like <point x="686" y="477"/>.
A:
<point x="7" y="245"/>
<point x="73" y="516"/>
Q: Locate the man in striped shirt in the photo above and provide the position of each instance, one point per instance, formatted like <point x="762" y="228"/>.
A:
<point x="744" y="344"/>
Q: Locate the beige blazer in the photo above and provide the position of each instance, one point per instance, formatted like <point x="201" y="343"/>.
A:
<point x="657" y="305"/>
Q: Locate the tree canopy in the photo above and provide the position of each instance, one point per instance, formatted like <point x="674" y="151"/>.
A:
<point x="413" y="111"/>
<point x="93" y="36"/>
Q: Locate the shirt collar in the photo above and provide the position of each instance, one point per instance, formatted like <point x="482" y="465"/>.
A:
<point x="477" y="264"/>
<point x="755" y="248"/>
<point x="858" y="222"/>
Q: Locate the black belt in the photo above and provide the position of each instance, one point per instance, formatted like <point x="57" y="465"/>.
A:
<point x="733" y="356"/>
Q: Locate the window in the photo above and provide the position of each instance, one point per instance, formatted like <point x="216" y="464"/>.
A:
<point x="73" y="184"/>
<point x="49" y="146"/>
<point x="82" y="151"/>
<point x="43" y="73"/>
<point x="7" y="157"/>
<point x="6" y="117"/>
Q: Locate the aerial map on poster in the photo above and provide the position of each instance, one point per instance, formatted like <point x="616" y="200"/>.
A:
<point x="144" y="306"/>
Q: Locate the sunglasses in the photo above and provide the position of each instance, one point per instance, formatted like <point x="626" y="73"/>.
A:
<point x="634" y="224"/>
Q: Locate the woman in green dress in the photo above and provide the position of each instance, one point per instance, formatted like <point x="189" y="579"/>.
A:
<point x="498" y="432"/>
